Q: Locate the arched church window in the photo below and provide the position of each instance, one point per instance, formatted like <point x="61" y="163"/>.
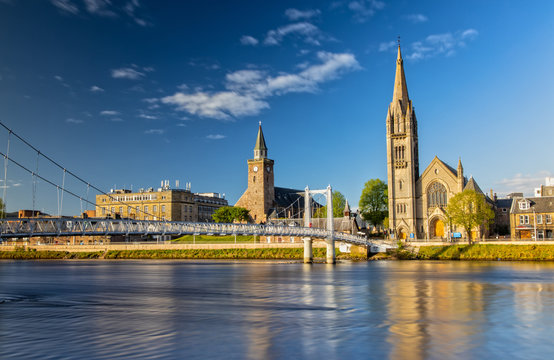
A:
<point x="436" y="195"/>
<point x="400" y="183"/>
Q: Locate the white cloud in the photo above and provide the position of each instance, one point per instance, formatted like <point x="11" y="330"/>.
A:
<point x="99" y="7"/>
<point x="525" y="183"/>
<point x="74" y="121"/>
<point x="66" y="6"/>
<point x="248" y="40"/>
<point x="130" y="9"/>
<point x="154" y="131"/>
<point x="109" y="112"/>
<point x="247" y="90"/>
<point x="181" y="125"/>
<point x="215" y="137"/>
<point x="417" y="18"/>
<point x="386" y="46"/>
<point x="95" y="88"/>
<point x="126" y="73"/>
<point x="149" y="117"/>
<point x="221" y="105"/>
<point x="307" y="31"/>
<point x="441" y="44"/>
<point x="364" y="9"/>
<point x="295" y="14"/>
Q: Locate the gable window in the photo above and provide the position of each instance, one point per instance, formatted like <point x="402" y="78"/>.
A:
<point x="523" y="205"/>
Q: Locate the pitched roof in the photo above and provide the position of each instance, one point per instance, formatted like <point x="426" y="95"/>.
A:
<point x="472" y="185"/>
<point x="538" y="204"/>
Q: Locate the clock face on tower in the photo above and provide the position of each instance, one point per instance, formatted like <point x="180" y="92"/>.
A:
<point x="255" y="169"/>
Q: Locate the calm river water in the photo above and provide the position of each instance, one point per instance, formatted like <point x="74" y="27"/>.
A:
<point x="269" y="310"/>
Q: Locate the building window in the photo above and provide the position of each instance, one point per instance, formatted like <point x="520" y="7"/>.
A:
<point x="436" y="195"/>
<point x="121" y="210"/>
<point x="103" y="211"/>
<point x="145" y="208"/>
<point x="155" y="208"/>
<point x="539" y="219"/>
<point x="163" y="208"/>
<point x="253" y="179"/>
<point x="549" y="219"/>
<point x="523" y="205"/>
<point x="400" y="185"/>
<point x="504" y="210"/>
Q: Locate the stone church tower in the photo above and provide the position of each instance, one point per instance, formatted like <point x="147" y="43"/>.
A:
<point x="402" y="155"/>
<point x="259" y="197"/>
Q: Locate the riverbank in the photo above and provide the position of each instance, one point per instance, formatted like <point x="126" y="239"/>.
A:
<point x="281" y="253"/>
<point x="528" y="252"/>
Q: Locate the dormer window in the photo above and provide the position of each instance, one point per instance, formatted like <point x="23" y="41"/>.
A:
<point x="523" y="205"/>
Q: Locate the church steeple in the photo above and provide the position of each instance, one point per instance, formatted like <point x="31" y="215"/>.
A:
<point x="260" y="149"/>
<point x="400" y="87"/>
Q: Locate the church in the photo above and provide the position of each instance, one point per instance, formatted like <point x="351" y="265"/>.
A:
<point x="417" y="201"/>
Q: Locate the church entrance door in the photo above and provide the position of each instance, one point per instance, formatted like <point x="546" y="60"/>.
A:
<point x="438" y="228"/>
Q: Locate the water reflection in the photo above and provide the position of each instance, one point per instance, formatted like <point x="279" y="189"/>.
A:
<point x="267" y="310"/>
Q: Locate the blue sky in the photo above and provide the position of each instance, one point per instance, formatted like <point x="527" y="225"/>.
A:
<point x="127" y="93"/>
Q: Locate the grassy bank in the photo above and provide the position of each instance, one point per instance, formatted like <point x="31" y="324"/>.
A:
<point x="214" y="239"/>
<point x="482" y="252"/>
<point x="264" y="254"/>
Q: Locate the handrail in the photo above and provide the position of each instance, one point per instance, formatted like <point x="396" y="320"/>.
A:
<point x="42" y="227"/>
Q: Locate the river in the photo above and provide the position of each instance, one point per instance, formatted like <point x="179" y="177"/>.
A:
<point x="270" y="310"/>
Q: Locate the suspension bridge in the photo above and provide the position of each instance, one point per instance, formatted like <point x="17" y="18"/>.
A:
<point x="17" y="228"/>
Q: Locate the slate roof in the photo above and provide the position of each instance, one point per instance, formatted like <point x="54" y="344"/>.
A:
<point x="503" y="203"/>
<point x="472" y="185"/>
<point x="538" y="204"/>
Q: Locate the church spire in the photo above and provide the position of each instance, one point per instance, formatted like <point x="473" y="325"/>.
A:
<point x="400" y="87"/>
<point x="260" y="149"/>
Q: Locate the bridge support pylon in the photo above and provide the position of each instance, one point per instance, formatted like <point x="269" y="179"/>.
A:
<point x="330" y="227"/>
<point x="308" y="253"/>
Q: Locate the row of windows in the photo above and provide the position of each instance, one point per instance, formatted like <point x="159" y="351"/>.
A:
<point x="399" y="152"/>
<point x="524" y="219"/>
<point x="401" y="208"/>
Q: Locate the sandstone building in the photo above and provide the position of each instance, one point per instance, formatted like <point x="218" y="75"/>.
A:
<point x="416" y="201"/>
<point x="163" y="204"/>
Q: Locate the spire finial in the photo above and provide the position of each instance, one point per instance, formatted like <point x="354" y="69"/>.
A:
<point x="260" y="122"/>
<point x="398" y="40"/>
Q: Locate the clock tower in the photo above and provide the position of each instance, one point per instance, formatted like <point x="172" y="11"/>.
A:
<point x="259" y="197"/>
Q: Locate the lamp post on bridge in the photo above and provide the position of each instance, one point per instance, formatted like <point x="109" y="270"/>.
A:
<point x="308" y="253"/>
<point x="330" y="227"/>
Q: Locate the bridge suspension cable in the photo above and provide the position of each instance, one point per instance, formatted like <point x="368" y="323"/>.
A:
<point x="61" y="189"/>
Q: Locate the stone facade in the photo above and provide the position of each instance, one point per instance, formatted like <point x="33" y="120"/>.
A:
<point x="417" y="202"/>
<point x="163" y="204"/>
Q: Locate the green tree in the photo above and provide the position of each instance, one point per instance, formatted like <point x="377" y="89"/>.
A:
<point x="2" y="209"/>
<point x="339" y="201"/>
<point x="469" y="210"/>
<point x="229" y="214"/>
<point x="374" y="202"/>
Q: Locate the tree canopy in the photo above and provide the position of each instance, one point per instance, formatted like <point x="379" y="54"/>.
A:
<point x="469" y="210"/>
<point x="2" y="209"/>
<point x="229" y="214"/>
<point x="374" y="202"/>
<point x="339" y="201"/>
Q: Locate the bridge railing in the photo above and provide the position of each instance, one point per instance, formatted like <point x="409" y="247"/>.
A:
<point x="30" y="227"/>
